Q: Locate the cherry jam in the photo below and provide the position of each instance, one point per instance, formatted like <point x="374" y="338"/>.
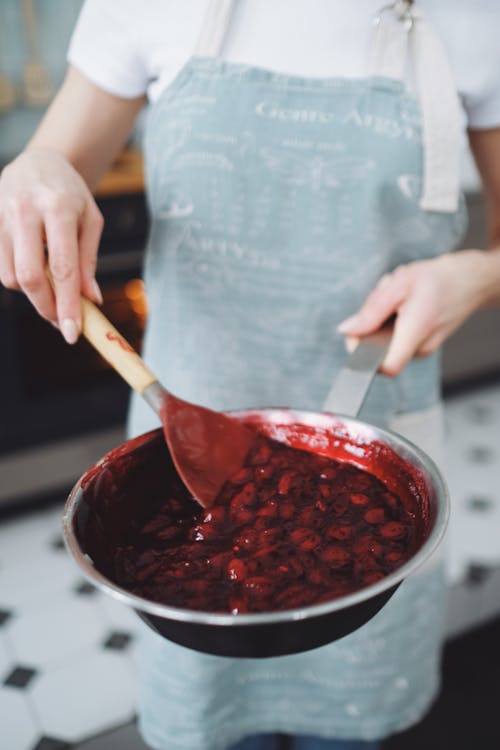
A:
<point x="291" y="528"/>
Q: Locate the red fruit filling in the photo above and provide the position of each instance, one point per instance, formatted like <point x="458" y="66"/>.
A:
<point x="289" y="529"/>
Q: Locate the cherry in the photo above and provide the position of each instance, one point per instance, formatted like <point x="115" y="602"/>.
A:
<point x="241" y="516"/>
<point x="305" y="539"/>
<point x="142" y="574"/>
<point x="335" y="556"/>
<point x="169" y="533"/>
<point x="286" y="509"/>
<point x="264" y="472"/>
<point x="318" y="576"/>
<point x="341" y="533"/>
<point x="219" y="560"/>
<point x="358" y="498"/>
<point x="242" y="476"/>
<point x="236" y="570"/>
<point x="155" y="525"/>
<point x="244" y="497"/>
<point x="306" y="516"/>
<point x="394" y="556"/>
<point x="325" y="490"/>
<point x="205" y="531"/>
<point x="246" y="537"/>
<point x="329" y="473"/>
<point x="195" y="586"/>
<point x="375" y="515"/>
<point x="366" y="544"/>
<point x="294" y="596"/>
<point x="393" y="530"/>
<point x="215" y="515"/>
<point x="259" y="586"/>
<point x="270" y="509"/>
<point x="287" y="481"/>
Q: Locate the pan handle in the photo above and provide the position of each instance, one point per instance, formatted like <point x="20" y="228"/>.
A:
<point x="351" y="385"/>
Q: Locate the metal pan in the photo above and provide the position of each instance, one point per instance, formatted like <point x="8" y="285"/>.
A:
<point x="95" y="512"/>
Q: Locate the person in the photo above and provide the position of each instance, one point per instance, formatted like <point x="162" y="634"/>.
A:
<point x="303" y="184"/>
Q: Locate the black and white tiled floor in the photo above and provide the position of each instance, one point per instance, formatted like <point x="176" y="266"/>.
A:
<point x="67" y="669"/>
<point x="472" y="470"/>
<point x="67" y="651"/>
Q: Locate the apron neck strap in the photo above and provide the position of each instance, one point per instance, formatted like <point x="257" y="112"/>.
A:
<point x="214" y="28"/>
<point x="389" y="42"/>
<point x="441" y="120"/>
<point x="398" y="28"/>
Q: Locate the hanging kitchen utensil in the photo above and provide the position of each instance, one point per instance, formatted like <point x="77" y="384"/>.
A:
<point x="105" y="499"/>
<point x="7" y="89"/>
<point x="7" y="93"/>
<point x="206" y="446"/>
<point x="38" y="89"/>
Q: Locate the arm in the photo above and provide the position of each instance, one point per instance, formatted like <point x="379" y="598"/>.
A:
<point x="86" y="125"/>
<point x="432" y="298"/>
<point x="485" y="146"/>
<point x="45" y="199"/>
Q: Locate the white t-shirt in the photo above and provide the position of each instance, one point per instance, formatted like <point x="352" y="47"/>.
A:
<point x="133" y="47"/>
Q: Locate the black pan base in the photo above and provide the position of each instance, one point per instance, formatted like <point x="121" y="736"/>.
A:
<point x="268" y="639"/>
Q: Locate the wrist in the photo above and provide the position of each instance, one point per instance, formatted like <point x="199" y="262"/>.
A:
<point x="486" y="266"/>
<point x="43" y="151"/>
<point x="475" y="274"/>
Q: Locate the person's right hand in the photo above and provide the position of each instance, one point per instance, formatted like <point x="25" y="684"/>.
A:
<point x="45" y="205"/>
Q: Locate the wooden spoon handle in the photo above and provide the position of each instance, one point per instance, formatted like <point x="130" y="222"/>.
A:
<point x="114" y="348"/>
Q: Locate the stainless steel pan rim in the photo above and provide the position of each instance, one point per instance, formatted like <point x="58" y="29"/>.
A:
<point x="361" y="432"/>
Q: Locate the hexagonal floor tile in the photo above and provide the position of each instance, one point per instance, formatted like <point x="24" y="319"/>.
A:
<point x="93" y="694"/>
<point x="51" y="634"/>
<point x="19" y="730"/>
<point x="33" y="532"/>
<point x="7" y="657"/>
<point x="118" y="614"/>
<point x="30" y="582"/>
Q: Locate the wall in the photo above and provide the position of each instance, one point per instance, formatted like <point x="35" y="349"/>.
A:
<point x="55" y="20"/>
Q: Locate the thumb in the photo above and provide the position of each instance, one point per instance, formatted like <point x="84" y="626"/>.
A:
<point x="409" y="332"/>
<point x="383" y="302"/>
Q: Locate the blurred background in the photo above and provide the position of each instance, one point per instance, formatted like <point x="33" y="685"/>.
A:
<point x="67" y="653"/>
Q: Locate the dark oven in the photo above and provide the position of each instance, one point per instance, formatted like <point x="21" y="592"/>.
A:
<point x="62" y="407"/>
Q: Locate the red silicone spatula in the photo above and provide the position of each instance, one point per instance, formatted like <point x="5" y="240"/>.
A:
<point x="206" y="446"/>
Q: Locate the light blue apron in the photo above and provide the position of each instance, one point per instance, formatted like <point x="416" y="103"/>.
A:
<point x="277" y="203"/>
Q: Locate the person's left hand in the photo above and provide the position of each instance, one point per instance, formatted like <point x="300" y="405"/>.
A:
<point x="430" y="298"/>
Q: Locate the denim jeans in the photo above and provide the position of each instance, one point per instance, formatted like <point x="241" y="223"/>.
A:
<point x="271" y="742"/>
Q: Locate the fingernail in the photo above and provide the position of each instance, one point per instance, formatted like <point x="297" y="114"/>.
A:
<point x="348" y="325"/>
<point x="97" y="292"/>
<point x="351" y="342"/>
<point x="69" y="330"/>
